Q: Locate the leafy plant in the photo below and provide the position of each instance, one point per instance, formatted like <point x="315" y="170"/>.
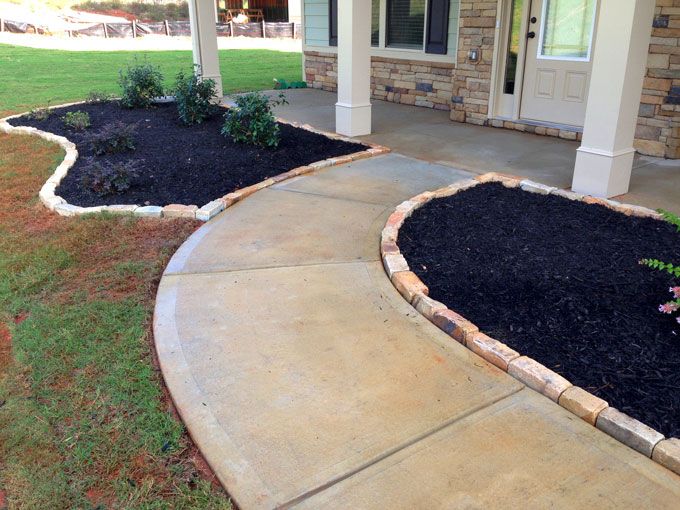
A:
<point x="40" y="113"/>
<point x="281" y="84"/>
<point x="95" y="96"/>
<point x="672" y="306"/>
<point x="252" y="121"/>
<point x="670" y="218"/>
<point x="662" y="266"/>
<point x="140" y="84"/>
<point x="112" y="138"/>
<point x="109" y="178"/>
<point x="78" y="120"/>
<point x="194" y="98"/>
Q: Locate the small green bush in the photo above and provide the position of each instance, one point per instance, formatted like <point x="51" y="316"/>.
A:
<point x="194" y="98"/>
<point x="252" y="121"/>
<point x="140" y="84"/>
<point x="109" y="178"/>
<point x="95" y="96"/>
<point x="113" y="137"/>
<point x="146" y="11"/>
<point x="40" y="113"/>
<point x="77" y="121"/>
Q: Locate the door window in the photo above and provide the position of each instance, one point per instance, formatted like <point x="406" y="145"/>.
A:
<point x="516" y="11"/>
<point x="567" y="29"/>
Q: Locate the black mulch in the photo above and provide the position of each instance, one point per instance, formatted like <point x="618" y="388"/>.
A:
<point x="559" y="281"/>
<point x="184" y="165"/>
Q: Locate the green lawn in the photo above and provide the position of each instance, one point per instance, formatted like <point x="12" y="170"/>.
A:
<point x="32" y="77"/>
<point x="84" y="418"/>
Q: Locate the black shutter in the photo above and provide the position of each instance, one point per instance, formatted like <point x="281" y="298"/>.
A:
<point x="333" y="22"/>
<point x="437" y="27"/>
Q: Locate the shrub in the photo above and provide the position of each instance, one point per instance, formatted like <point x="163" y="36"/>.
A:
<point x="146" y="11"/>
<point x="40" y="113"/>
<point x="673" y="306"/>
<point x="78" y="121"/>
<point x="252" y="121"/>
<point x="140" y="84"/>
<point x="109" y="178"/>
<point x="95" y="96"/>
<point x="113" y="137"/>
<point x="194" y="98"/>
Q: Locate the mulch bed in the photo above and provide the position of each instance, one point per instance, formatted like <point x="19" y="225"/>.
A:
<point x="183" y="165"/>
<point x="559" y="281"/>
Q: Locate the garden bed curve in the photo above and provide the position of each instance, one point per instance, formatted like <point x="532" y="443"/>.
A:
<point x="590" y="408"/>
<point x="204" y="212"/>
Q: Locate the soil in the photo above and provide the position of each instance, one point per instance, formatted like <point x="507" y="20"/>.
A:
<point x="189" y="165"/>
<point x="559" y="281"/>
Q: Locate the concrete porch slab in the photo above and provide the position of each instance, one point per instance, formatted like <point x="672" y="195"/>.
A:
<point x="430" y="135"/>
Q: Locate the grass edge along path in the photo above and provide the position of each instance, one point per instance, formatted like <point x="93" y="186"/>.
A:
<point x="85" y="421"/>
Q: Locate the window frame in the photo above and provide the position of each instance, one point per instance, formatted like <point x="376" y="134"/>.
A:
<point x="383" y="51"/>
<point x="383" y="28"/>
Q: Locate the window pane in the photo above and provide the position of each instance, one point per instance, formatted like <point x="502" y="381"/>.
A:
<point x="567" y="28"/>
<point x="405" y="23"/>
<point x="375" y="22"/>
<point x="513" y="46"/>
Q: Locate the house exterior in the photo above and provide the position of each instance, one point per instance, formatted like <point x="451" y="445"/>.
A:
<point x="504" y="86"/>
<point x="603" y="72"/>
<point x="273" y="10"/>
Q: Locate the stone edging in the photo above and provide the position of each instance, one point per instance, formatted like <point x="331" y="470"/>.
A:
<point x="578" y="401"/>
<point x="205" y="213"/>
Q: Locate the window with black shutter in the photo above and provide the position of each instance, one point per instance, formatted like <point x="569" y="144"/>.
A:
<point x="437" y="37"/>
<point x="409" y="24"/>
<point x="333" y="22"/>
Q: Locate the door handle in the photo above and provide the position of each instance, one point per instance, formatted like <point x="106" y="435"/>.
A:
<point x="531" y="35"/>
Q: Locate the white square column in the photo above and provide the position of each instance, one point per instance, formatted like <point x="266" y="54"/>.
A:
<point x="353" y="109"/>
<point x="204" y="41"/>
<point x="605" y="159"/>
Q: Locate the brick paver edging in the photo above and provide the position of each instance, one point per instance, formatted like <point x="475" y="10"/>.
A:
<point x="205" y="213"/>
<point x="583" y="404"/>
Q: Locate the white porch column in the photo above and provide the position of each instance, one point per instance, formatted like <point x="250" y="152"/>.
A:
<point x="353" y="109"/>
<point x="605" y="159"/>
<point x="204" y="40"/>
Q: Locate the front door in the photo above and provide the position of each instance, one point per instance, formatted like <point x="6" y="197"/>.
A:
<point x="558" y="61"/>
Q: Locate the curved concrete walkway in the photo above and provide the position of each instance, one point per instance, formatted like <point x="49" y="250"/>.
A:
<point x="307" y="381"/>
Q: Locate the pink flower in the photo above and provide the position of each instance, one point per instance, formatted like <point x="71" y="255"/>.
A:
<point x="675" y="291"/>
<point x="669" y="308"/>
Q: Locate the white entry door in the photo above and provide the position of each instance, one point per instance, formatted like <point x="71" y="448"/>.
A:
<point x="558" y="61"/>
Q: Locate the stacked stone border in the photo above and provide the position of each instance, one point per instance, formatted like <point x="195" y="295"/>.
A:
<point x="55" y="203"/>
<point x="578" y="401"/>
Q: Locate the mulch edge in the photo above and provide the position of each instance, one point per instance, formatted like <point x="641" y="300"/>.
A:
<point x="205" y="213"/>
<point x="578" y="401"/>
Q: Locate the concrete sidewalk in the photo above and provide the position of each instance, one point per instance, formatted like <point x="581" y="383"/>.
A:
<point x="307" y="381"/>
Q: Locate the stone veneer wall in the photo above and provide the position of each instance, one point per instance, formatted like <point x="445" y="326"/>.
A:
<point x="464" y="89"/>
<point x="658" y="129"/>
<point x="412" y="82"/>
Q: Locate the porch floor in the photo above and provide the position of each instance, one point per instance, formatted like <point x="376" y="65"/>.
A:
<point x="430" y="135"/>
